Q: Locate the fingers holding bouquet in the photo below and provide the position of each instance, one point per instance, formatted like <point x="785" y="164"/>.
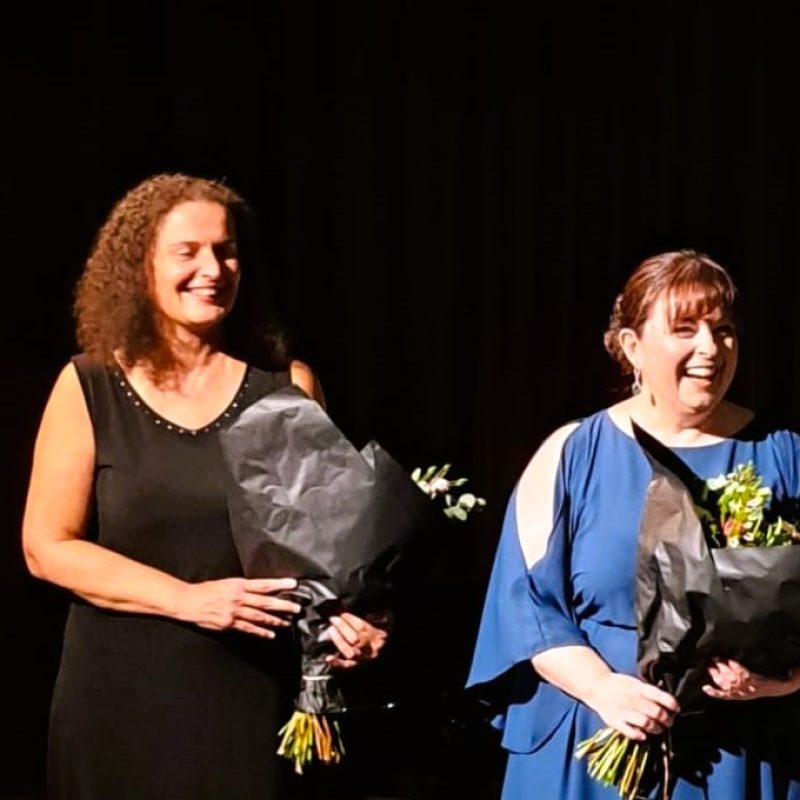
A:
<point x="249" y="605"/>
<point x="633" y="710"/>
<point x="356" y="639"/>
<point x="732" y="681"/>
<point x="633" y="707"/>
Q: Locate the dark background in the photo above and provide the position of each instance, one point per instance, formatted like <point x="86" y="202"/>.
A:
<point x="451" y="195"/>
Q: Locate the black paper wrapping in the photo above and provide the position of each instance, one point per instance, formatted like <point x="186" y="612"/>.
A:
<point x="676" y="582"/>
<point x="755" y="614"/>
<point x="305" y="503"/>
<point x="695" y="603"/>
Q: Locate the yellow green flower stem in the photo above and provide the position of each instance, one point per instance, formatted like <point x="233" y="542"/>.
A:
<point x="306" y="737"/>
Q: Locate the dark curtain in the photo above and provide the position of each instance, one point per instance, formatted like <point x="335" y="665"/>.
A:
<point x="450" y="197"/>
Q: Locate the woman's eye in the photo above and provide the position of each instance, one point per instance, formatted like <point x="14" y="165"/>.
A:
<point x="684" y="330"/>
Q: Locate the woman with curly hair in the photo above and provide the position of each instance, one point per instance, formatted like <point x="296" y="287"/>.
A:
<point x="173" y="663"/>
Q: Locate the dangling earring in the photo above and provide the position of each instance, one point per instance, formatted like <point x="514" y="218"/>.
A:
<point x="636" y="386"/>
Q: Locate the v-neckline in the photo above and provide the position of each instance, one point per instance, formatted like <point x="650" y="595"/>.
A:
<point x="170" y="425"/>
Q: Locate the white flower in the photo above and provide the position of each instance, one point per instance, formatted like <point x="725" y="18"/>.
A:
<point x="439" y="486"/>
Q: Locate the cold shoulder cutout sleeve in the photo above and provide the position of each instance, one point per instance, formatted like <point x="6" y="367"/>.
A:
<point x="535" y="496"/>
<point x="528" y="605"/>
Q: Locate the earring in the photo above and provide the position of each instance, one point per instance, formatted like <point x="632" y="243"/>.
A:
<point x="636" y="386"/>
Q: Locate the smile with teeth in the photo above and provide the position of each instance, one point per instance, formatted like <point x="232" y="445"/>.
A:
<point x="205" y="292"/>
<point x="704" y="373"/>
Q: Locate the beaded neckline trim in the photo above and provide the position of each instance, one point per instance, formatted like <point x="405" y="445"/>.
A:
<point x="162" y="422"/>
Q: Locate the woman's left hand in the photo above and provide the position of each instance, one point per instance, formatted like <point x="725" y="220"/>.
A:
<point x="356" y="640"/>
<point x="732" y="681"/>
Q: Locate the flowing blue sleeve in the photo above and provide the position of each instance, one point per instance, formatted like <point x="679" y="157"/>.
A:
<point x="527" y="611"/>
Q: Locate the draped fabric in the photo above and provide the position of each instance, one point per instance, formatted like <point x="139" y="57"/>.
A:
<point x="580" y="591"/>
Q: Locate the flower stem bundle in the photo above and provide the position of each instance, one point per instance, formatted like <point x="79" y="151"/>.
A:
<point x="307" y="737"/>
<point x="616" y="761"/>
<point x="312" y="733"/>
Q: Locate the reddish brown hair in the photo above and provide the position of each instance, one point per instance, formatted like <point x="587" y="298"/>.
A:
<point x="694" y="283"/>
<point x="113" y="310"/>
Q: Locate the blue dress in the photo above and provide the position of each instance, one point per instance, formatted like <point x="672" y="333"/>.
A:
<point x="580" y="591"/>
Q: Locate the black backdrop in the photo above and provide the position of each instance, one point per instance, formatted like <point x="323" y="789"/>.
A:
<point x="451" y="195"/>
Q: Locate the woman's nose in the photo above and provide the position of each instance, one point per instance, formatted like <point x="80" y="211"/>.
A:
<point x="210" y="264"/>
<point x="706" y="341"/>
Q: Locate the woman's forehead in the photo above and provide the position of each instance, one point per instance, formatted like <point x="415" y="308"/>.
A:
<point x="691" y="301"/>
<point x="188" y="220"/>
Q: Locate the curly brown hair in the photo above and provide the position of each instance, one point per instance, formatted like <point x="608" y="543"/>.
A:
<point x="697" y="284"/>
<point x="114" y="313"/>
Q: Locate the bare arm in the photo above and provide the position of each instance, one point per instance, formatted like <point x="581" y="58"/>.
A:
<point x="629" y="705"/>
<point x="56" y="511"/>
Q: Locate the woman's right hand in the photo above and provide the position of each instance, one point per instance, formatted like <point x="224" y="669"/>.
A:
<point x="632" y="706"/>
<point x="249" y="605"/>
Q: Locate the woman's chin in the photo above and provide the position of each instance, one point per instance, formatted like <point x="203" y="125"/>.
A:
<point x="702" y="403"/>
<point x="200" y="325"/>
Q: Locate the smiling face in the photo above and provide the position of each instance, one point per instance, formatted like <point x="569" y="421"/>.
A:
<point x="687" y="356"/>
<point x="194" y="270"/>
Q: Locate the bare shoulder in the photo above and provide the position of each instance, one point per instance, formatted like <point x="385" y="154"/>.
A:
<point x="62" y="471"/>
<point x="304" y="378"/>
<point x="536" y="494"/>
<point x="546" y="459"/>
<point x="67" y="392"/>
<point x="66" y="415"/>
<point x="64" y="453"/>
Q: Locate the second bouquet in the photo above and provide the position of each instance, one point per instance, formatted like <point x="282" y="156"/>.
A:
<point x="715" y="580"/>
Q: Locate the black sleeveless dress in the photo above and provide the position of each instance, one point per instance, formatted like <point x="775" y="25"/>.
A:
<point x="147" y="707"/>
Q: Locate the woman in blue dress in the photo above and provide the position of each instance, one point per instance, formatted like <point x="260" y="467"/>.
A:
<point x="557" y="642"/>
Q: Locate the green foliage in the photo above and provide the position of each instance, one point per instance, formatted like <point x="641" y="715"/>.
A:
<point x="735" y="512"/>
<point x="435" y="483"/>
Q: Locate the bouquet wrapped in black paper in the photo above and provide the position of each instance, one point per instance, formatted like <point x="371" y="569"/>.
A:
<point x="305" y="503"/>
<point x="715" y="581"/>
